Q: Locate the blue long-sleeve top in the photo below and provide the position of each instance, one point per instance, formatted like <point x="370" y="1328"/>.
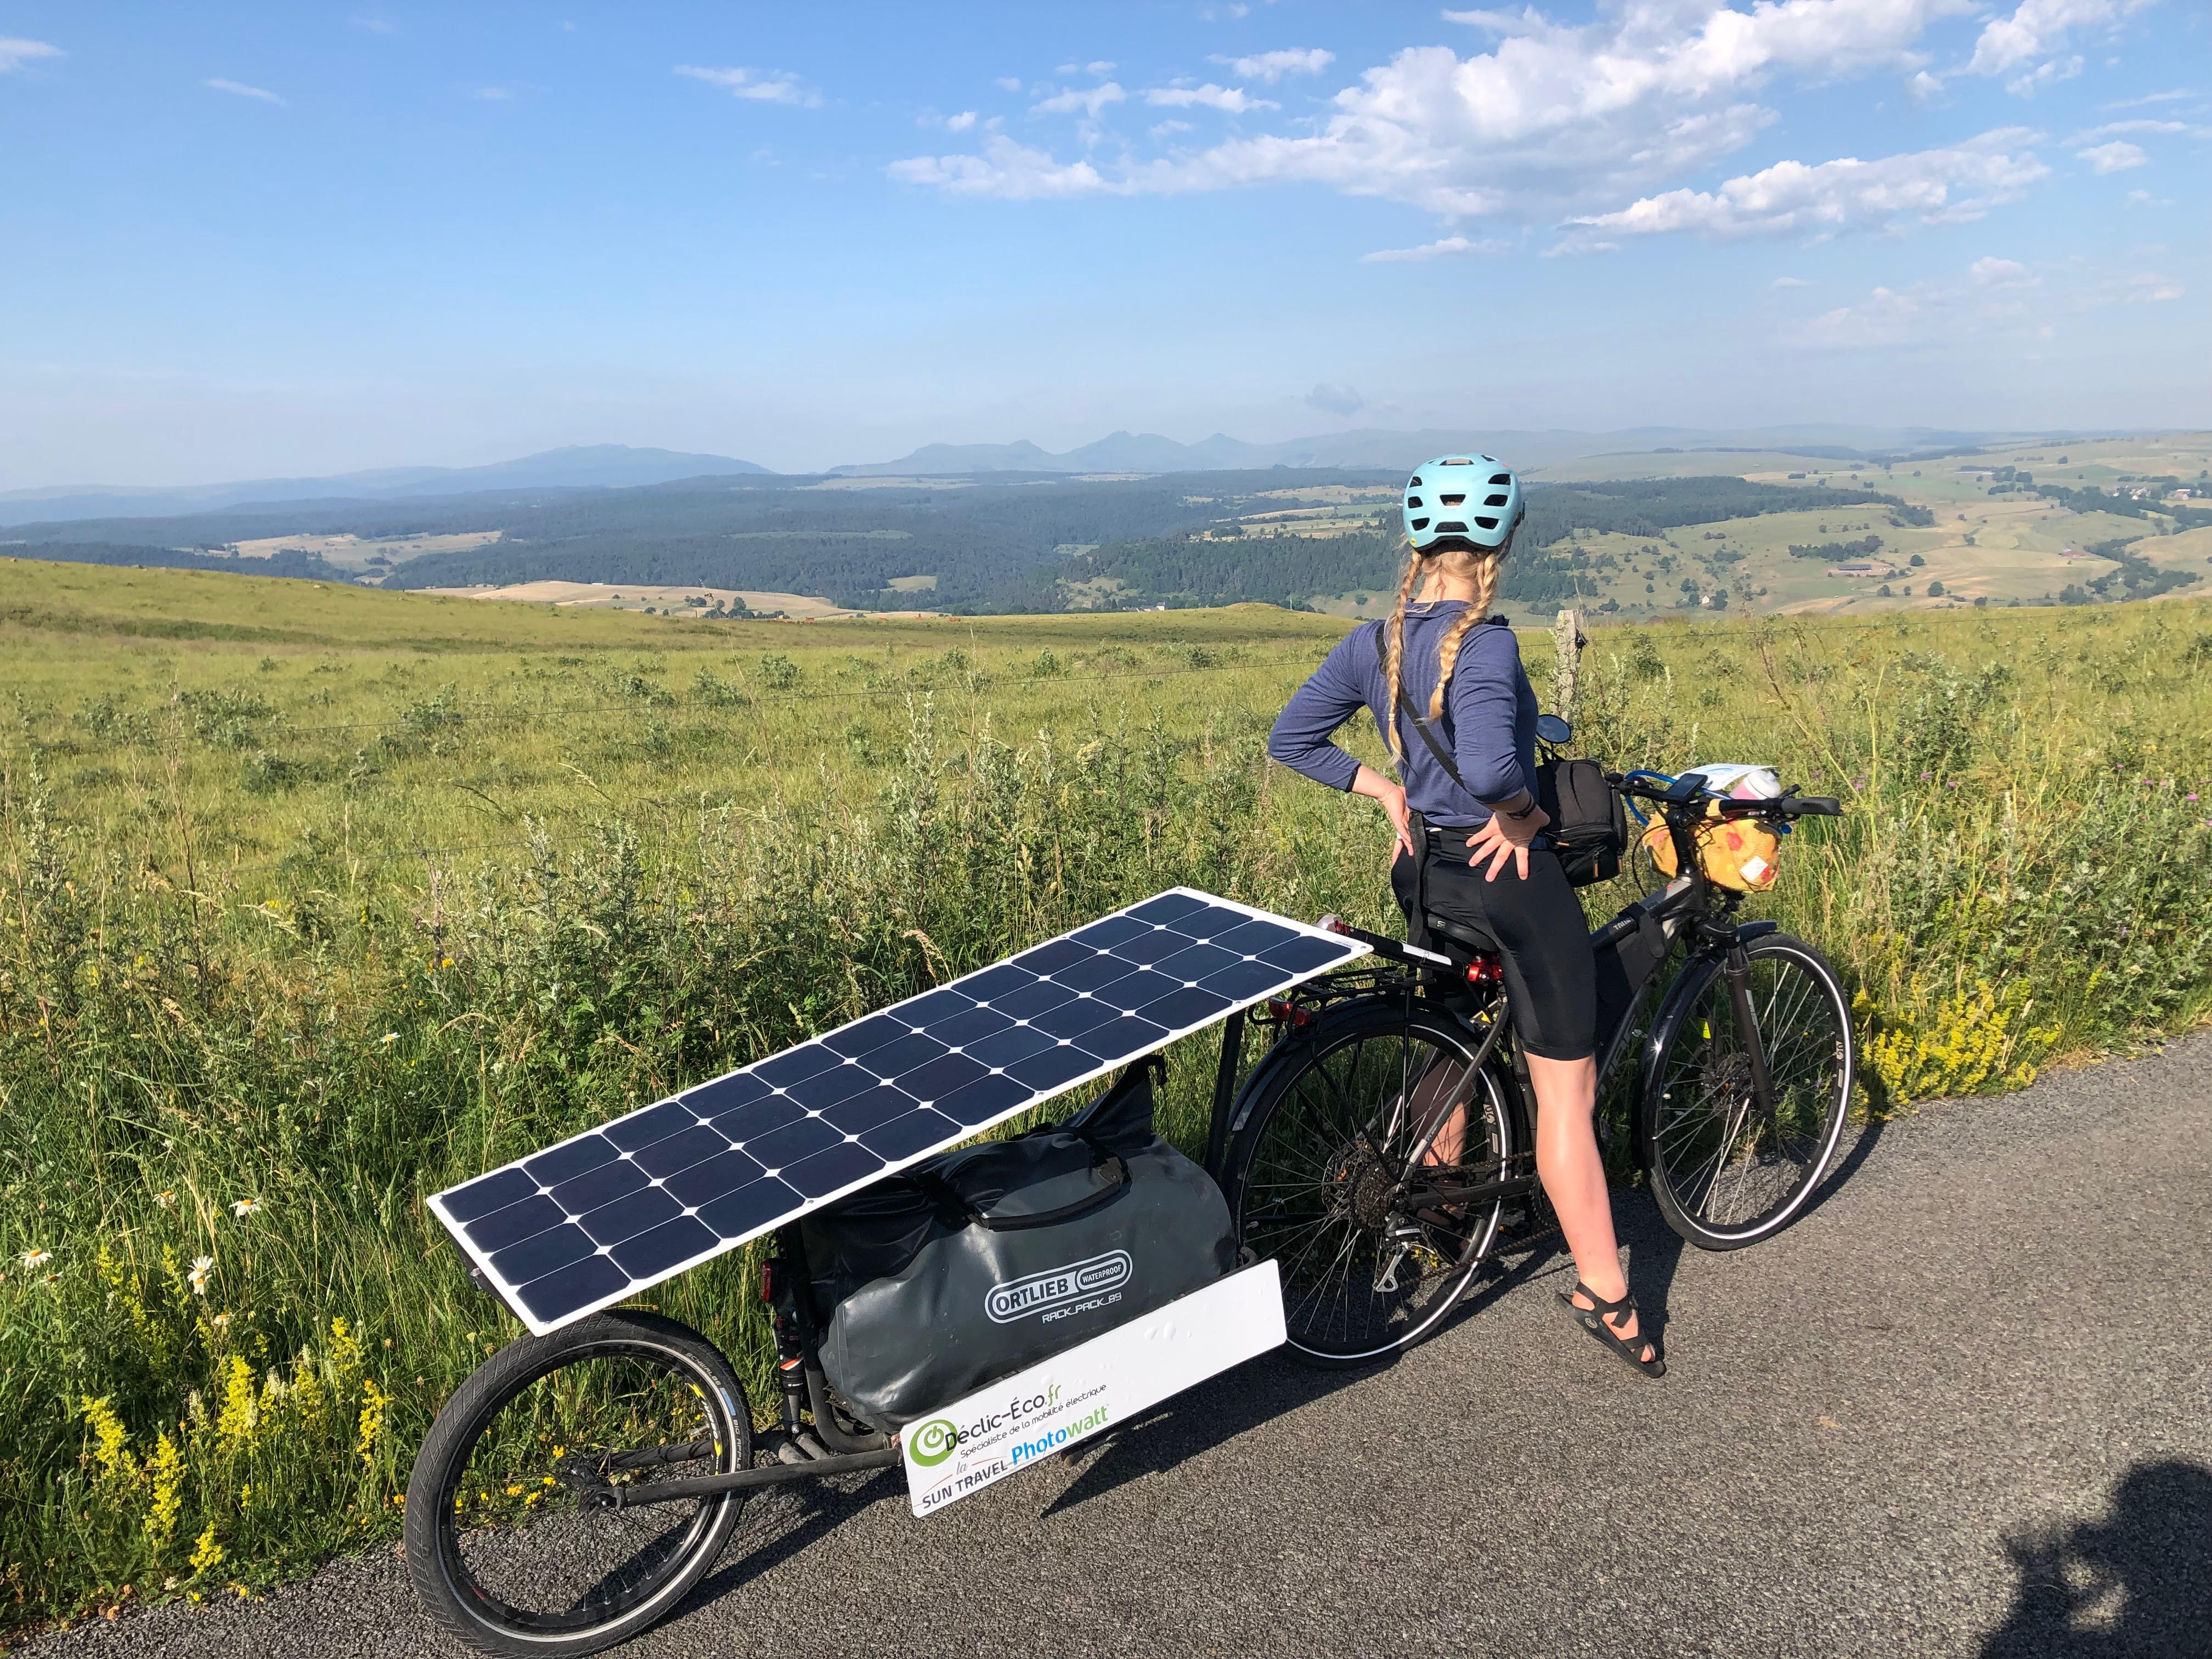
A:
<point x="1489" y="723"/>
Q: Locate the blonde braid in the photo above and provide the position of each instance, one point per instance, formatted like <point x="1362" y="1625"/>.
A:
<point x="1394" y="648"/>
<point x="1485" y="589"/>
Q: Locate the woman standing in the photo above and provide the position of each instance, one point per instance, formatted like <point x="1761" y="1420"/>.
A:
<point x="1470" y="846"/>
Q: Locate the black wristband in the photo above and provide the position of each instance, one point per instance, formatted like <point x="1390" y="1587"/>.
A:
<point x="1524" y="812"/>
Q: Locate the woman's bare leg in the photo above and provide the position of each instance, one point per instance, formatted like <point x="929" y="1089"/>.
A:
<point x="1573" y="1175"/>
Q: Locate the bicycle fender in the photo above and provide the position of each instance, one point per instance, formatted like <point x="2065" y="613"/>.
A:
<point x="1688" y="985"/>
<point x="1248" y="1093"/>
<point x="1748" y="931"/>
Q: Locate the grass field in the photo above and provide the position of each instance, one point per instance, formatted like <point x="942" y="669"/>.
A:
<point x="314" y="900"/>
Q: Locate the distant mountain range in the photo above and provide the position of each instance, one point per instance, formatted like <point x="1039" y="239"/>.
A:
<point x="579" y="466"/>
<point x="620" y="466"/>
<point x="1148" y="451"/>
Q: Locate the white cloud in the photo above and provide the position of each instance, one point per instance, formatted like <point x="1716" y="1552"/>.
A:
<point x="1448" y="247"/>
<point x="2044" y="75"/>
<point x="1272" y="66"/>
<point x="1169" y="128"/>
<point x="1103" y="66"/>
<point x="1554" y="118"/>
<point x="1335" y="400"/>
<point x="1232" y="100"/>
<point x="2174" y="97"/>
<point x="2038" y="29"/>
<point x="239" y="89"/>
<point x="765" y="87"/>
<point x="1005" y="169"/>
<point x="1089" y="99"/>
<point x="15" y="51"/>
<point x="374" y="24"/>
<point x="2115" y="157"/>
<point x="1789" y="282"/>
<point x="2110" y="129"/>
<point x="960" y="122"/>
<point x="1930" y="186"/>
<point x="1993" y="295"/>
<point x="494" y="94"/>
<point x="1008" y="82"/>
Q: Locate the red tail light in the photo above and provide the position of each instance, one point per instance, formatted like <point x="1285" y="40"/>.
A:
<point x="1486" y="970"/>
<point x="768" y="1282"/>
<point x="1288" y="1012"/>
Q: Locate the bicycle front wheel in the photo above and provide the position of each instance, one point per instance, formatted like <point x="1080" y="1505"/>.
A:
<point x="1726" y="1171"/>
<point x="512" y="1540"/>
<point x="1316" y="1177"/>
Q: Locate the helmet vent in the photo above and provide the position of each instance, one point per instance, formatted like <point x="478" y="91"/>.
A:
<point x="1420" y="524"/>
<point x="1451" y="500"/>
<point x="1502" y="478"/>
<point x="1494" y="501"/>
<point x="1487" y="524"/>
<point x="1414" y="483"/>
<point x="1453" y="523"/>
<point x="1414" y="502"/>
<point x="1460" y="461"/>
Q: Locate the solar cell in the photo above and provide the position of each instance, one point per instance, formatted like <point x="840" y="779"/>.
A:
<point x="602" y="1216"/>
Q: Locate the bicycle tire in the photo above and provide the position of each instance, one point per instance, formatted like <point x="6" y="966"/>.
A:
<point x="1297" y="1131"/>
<point x="532" y="1534"/>
<point x="1699" y="1135"/>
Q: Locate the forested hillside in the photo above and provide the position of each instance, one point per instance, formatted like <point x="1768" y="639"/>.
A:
<point x="1286" y="570"/>
<point x="1045" y="544"/>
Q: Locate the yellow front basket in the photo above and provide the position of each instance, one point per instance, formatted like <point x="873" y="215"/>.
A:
<point x="1742" y="854"/>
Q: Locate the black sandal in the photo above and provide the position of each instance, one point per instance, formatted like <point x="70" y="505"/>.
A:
<point x="1597" y="1321"/>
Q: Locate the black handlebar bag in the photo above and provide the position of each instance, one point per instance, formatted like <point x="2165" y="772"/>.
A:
<point x="980" y="1261"/>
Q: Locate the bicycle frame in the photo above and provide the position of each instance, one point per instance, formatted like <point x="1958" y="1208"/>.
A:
<point x="1690" y="910"/>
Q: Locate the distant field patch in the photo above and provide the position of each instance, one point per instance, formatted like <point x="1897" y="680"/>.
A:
<point x="912" y="584"/>
<point x="679" y="601"/>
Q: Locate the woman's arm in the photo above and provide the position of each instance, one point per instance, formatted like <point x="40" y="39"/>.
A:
<point x="1336" y="691"/>
<point x="1372" y="784"/>
<point x="1302" y="736"/>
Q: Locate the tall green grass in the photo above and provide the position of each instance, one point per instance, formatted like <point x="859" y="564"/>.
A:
<point x="227" y="1318"/>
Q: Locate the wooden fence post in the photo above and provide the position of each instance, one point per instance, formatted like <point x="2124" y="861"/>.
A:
<point x="1567" y="643"/>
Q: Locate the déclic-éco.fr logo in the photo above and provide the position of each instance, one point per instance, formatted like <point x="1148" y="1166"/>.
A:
<point x="931" y="1443"/>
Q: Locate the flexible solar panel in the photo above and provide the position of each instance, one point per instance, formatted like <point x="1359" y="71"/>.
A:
<point x="601" y="1216"/>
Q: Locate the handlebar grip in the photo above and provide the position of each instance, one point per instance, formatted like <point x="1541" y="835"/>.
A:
<point x="1818" y="806"/>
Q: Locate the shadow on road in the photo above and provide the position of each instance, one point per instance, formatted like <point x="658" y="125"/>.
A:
<point x="2137" y="1583"/>
<point x="778" y="1524"/>
<point x="1216" y="1410"/>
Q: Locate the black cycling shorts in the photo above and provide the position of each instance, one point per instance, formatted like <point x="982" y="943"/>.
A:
<point x="1550" y="975"/>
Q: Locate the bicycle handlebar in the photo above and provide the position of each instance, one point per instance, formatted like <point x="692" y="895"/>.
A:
<point x="1690" y="788"/>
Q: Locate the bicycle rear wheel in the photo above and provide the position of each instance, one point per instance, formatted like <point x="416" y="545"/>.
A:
<point x="1726" y="1173"/>
<point x="1310" y="1177"/>
<point x="511" y="1542"/>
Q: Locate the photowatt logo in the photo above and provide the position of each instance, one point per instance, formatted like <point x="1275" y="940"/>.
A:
<point x="933" y="1442"/>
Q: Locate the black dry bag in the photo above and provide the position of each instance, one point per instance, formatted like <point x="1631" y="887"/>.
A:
<point x="975" y="1263"/>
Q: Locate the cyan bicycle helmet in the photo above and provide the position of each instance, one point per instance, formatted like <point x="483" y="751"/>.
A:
<point x="1463" y="501"/>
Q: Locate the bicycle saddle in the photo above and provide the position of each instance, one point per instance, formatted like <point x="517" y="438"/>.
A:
<point x="1461" y="934"/>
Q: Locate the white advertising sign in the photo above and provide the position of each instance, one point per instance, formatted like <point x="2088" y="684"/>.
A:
<point x="1092" y="1388"/>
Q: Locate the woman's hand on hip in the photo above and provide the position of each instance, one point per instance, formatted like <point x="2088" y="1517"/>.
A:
<point x="1372" y="784"/>
<point x="1504" y="838"/>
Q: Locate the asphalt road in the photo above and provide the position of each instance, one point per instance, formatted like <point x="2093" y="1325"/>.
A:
<point x="1963" y="1407"/>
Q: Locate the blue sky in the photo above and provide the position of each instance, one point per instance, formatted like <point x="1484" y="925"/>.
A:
<point x="244" y="241"/>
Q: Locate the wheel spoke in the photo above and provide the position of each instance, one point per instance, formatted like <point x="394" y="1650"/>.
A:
<point x="1725" y="1164"/>
<point x="1324" y="1160"/>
